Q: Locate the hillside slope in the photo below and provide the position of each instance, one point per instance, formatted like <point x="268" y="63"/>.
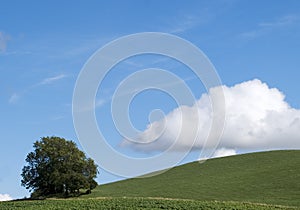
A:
<point x="265" y="177"/>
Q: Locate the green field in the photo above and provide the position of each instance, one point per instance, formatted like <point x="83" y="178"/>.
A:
<point x="132" y="203"/>
<point x="266" y="180"/>
<point x="266" y="177"/>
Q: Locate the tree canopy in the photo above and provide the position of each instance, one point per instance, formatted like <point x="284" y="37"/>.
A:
<point x="57" y="166"/>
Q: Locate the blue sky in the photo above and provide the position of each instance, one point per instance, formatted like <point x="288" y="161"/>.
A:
<point x="44" y="45"/>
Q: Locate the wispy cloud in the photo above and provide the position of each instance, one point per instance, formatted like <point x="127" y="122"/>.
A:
<point x="147" y="61"/>
<point x="109" y="96"/>
<point x="84" y="47"/>
<point x="51" y="80"/>
<point x="14" y="98"/>
<point x="160" y="82"/>
<point x="267" y="27"/>
<point x="186" y="23"/>
<point x="282" y="21"/>
<point x="91" y="106"/>
<point x="4" y="38"/>
<point x="101" y="102"/>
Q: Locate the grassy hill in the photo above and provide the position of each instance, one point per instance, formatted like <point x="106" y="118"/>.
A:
<point x="266" y="180"/>
<point x="265" y="177"/>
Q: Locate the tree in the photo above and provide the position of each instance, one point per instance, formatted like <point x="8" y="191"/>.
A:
<point x="57" y="166"/>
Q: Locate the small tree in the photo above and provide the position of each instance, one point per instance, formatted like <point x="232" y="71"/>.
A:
<point x="57" y="166"/>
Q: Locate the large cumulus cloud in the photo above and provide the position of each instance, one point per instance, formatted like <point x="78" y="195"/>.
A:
<point x="257" y="117"/>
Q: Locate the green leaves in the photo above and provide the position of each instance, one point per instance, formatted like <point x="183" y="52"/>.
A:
<point x="57" y="166"/>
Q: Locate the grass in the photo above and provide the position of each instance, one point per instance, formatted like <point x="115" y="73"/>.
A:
<point x="266" y="180"/>
<point x="131" y="203"/>
<point x="266" y="177"/>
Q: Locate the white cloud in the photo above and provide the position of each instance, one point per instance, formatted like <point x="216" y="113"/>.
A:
<point x="282" y="21"/>
<point x="50" y="80"/>
<point x="186" y="23"/>
<point x="182" y="23"/>
<point x="5" y="197"/>
<point x="267" y="27"/>
<point x="100" y="102"/>
<point x="91" y="106"/>
<point x="223" y="152"/>
<point x="4" y="38"/>
<point x="257" y="117"/>
<point x="13" y="98"/>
